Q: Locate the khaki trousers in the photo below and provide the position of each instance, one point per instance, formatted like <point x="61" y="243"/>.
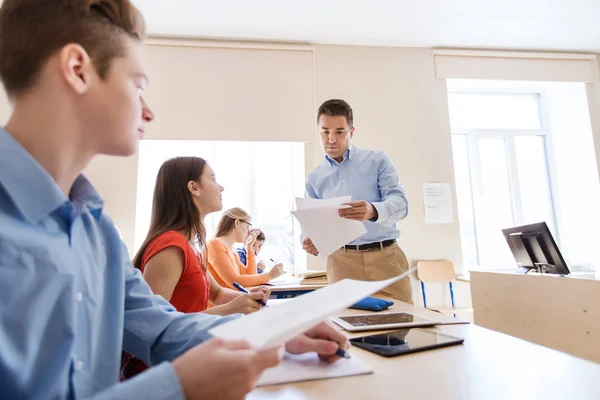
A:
<point x="372" y="265"/>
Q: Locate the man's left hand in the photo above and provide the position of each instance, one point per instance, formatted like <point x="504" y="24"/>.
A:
<point x="323" y="339"/>
<point x="360" y="210"/>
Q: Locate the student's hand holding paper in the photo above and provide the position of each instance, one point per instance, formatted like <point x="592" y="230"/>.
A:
<point x="323" y="339"/>
<point x="360" y="210"/>
<point x="230" y="369"/>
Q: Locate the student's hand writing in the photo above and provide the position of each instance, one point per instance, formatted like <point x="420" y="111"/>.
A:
<point x="261" y="265"/>
<point x="276" y="271"/>
<point x="234" y="368"/>
<point x="309" y="247"/>
<point x="323" y="339"/>
<point x="262" y="289"/>
<point x="360" y="210"/>
<point x="246" y="303"/>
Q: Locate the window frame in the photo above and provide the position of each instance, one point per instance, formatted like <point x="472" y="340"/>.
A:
<point x="508" y="135"/>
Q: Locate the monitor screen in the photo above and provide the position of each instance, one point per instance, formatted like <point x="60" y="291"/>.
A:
<point x="534" y="249"/>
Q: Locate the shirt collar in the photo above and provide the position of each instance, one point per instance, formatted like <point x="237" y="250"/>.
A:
<point x="346" y="156"/>
<point x="34" y="192"/>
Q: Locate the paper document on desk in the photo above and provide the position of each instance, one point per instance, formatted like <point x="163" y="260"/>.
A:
<point x="321" y="223"/>
<point x="309" y="367"/>
<point x="284" y="280"/>
<point x="274" y="326"/>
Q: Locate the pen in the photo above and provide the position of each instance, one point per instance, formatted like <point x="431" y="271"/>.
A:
<point x="342" y="353"/>
<point x="244" y="290"/>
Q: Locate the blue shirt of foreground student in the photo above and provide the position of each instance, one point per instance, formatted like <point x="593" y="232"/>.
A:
<point x="70" y="300"/>
<point x="365" y="175"/>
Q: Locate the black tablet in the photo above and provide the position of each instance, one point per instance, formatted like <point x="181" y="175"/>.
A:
<point x="404" y="341"/>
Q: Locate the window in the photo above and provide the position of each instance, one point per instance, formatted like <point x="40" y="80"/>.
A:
<point x="502" y="172"/>
<point x="263" y="178"/>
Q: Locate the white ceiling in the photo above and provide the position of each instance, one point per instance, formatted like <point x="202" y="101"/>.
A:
<point x="569" y="25"/>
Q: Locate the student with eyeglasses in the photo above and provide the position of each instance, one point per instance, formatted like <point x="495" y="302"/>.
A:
<point x="222" y="261"/>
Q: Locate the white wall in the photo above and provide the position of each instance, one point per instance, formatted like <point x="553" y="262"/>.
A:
<point x="575" y="174"/>
<point x="593" y="94"/>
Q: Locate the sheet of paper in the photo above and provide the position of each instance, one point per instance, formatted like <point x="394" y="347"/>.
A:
<point x="274" y="326"/>
<point x="303" y="203"/>
<point x="437" y="198"/>
<point x="284" y="280"/>
<point x="308" y="367"/>
<point x="306" y="202"/>
<point x="327" y="230"/>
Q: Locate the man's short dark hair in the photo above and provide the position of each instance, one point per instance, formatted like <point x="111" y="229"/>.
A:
<point x="261" y="236"/>
<point x="31" y="31"/>
<point x="336" y="107"/>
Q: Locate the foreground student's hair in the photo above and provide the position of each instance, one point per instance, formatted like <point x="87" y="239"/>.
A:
<point x="33" y="30"/>
<point x="172" y="206"/>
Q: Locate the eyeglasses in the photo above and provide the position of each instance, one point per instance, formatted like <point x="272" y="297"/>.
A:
<point x="246" y="222"/>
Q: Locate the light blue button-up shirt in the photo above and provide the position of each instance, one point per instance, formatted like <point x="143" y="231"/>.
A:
<point x="70" y="299"/>
<point x="365" y="175"/>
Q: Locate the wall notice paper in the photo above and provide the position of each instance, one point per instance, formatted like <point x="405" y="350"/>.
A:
<point x="308" y="367"/>
<point x="321" y="223"/>
<point x="437" y="198"/>
<point x="274" y="326"/>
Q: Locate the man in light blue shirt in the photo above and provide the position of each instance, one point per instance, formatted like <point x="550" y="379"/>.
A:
<point x="70" y="299"/>
<point x="377" y="199"/>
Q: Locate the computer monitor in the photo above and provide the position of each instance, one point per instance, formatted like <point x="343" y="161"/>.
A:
<point x="534" y="249"/>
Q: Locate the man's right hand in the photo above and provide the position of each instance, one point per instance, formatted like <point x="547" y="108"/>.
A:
<point x="309" y="247"/>
<point x="223" y="369"/>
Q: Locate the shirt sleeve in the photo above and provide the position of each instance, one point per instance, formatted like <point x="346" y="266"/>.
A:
<point x="310" y="189"/>
<point x="393" y="206"/>
<point x="222" y="265"/>
<point x="160" y="382"/>
<point x="154" y="330"/>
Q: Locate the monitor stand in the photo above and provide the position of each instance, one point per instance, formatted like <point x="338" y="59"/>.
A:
<point x="540" y="268"/>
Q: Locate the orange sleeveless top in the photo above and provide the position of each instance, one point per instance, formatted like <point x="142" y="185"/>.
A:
<point x="192" y="291"/>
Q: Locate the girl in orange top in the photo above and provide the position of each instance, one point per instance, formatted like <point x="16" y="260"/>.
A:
<point x="224" y="264"/>
<point x="185" y="192"/>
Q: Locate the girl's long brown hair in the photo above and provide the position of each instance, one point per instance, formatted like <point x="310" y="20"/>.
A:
<point x="173" y="208"/>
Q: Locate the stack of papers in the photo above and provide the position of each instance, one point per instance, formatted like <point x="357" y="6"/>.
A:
<point x="321" y="223"/>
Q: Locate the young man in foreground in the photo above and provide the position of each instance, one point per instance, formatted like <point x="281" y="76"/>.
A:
<point x="70" y="300"/>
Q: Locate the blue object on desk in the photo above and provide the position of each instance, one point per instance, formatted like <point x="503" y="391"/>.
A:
<point x="244" y="290"/>
<point x="372" y="304"/>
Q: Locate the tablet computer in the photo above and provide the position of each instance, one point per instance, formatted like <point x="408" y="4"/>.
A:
<point x="374" y="322"/>
<point x="404" y="341"/>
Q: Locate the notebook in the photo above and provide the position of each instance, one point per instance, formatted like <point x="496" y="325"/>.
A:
<point x="308" y="367"/>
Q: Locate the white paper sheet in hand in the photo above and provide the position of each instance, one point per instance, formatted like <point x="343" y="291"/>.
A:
<point x="306" y="202"/>
<point x="308" y="367"/>
<point x="327" y="230"/>
<point x="274" y="326"/>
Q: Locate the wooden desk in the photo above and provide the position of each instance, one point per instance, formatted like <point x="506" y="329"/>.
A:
<point x="561" y="312"/>
<point x="488" y="366"/>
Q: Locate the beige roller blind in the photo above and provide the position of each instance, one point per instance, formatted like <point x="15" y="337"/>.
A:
<point x="230" y="92"/>
<point x="517" y="66"/>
